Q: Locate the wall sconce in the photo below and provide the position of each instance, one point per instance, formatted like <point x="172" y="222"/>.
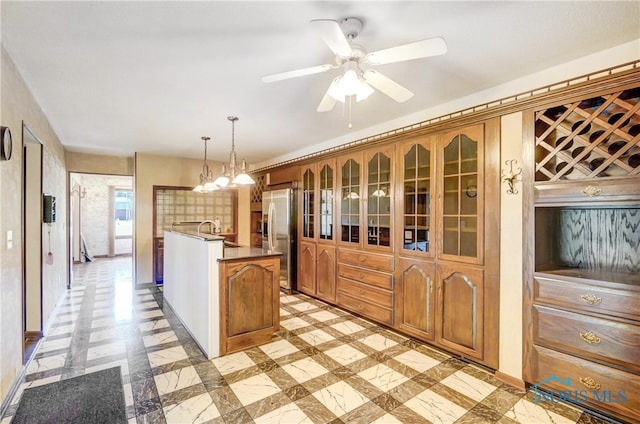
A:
<point x="76" y="190"/>
<point x="510" y="176"/>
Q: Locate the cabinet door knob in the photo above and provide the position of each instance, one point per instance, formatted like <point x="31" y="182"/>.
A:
<point x="590" y="383"/>
<point x="590" y="298"/>
<point x="591" y="191"/>
<point x="590" y="337"/>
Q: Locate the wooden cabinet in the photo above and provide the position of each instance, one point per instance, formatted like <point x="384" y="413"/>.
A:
<point x="316" y="252"/>
<point x="326" y="273"/>
<point x="461" y="309"/>
<point x="307" y="268"/>
<point x="365" y="284"/>
<point x="447" y="245"/>
<point x="249" y="303"/>
<point x="415" y="302"/>
<point x="415" y="247"/>
<point x="582" y="286"/>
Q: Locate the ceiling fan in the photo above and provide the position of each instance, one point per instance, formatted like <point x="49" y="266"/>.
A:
<point x="355" y="81"/>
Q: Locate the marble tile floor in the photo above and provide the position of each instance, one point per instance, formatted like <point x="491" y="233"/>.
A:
<point x="324" y="366"/>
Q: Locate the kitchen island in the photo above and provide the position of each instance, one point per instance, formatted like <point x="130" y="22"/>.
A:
<point x="227" y="297"/>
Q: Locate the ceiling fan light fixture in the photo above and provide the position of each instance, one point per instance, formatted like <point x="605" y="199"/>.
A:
<point x="349" y="83"/>
<point x="364" y="91"/>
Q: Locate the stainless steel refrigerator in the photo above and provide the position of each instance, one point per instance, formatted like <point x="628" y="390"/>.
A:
<point x="279" y="231"/>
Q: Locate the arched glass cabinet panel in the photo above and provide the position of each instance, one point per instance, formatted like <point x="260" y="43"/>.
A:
<point x="308" y="203"/>
<point x="417" y="199"/>
<point x="379" y="200"/>
<point x="460" y="197"/>
<point x="326" y="202"/>
<point x="350" y="202"/>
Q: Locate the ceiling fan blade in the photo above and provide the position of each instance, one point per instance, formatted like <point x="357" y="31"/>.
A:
<point x="425" y="48"/>
<point x="331" y="33"/>
<point x="328" y="101"/>
<point x="297" y="73"/>
<point x="387" y="86"/>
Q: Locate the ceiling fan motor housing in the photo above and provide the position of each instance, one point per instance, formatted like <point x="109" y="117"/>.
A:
<point x="351" y="27"/>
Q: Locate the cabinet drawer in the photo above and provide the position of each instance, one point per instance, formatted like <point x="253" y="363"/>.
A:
<point x="370" y="277"/>
<point x="366" y="259"/>
<point x="603" y="339"/>
<point x="620" y="389"/>
<point x="585" y="192"/>
<point x="366" y="292"/>
<point x="375" y="312"/>
<point x="588" y="298"/>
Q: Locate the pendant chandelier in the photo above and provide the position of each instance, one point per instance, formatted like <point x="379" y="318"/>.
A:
<point x="234" y="175"/>
<point x="206" y="176"/>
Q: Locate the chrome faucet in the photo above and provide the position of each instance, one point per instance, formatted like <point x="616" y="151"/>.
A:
<point x="206" y="221"/>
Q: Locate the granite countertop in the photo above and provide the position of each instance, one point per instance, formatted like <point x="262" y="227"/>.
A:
<point x="244" y="252"/>
<point x="202" y="236"/>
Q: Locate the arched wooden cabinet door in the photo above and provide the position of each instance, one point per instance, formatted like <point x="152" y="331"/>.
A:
<point x="460" y="294"/>
<point x="249" y="303"/>
<point x="326" y="273"/>
<point x="415" y="302"/>
<point x="307" y="268"/>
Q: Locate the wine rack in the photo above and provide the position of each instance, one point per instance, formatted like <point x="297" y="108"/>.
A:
<point x="590" y="138"/>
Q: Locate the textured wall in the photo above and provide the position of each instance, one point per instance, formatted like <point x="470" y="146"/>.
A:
<point x="18" y="105"/>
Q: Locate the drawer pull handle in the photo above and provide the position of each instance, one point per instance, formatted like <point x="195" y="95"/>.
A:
<point x="591" y="298"/>
<point x="591" y="191"/>
<point x="362" y="258"/>
<point x="590" y="337"/>
<point x="362" y="292"/>
<point x="362" y="275"/>
<point x="590" y="383"/>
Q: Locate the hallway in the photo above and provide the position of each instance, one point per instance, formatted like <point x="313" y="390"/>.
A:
<point x="325" y="365"/>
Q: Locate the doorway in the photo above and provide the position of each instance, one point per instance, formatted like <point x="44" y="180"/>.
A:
<point x="100" y="216"/>
<point x="32" y="242"/>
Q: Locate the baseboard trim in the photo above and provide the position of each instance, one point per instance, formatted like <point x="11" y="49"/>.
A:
<point x="511" y="381"/>
<point x="33" y="335"/>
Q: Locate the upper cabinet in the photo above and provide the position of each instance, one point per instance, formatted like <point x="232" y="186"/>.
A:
<point x="366" y="196"/>
<point x="350" y="179"/>
<point x="327" y="187"/>
<point x="308" y="199"/>
<point x="416" y="179"/>
<point x="379" y="198"/>
<point x="461" y="187"/>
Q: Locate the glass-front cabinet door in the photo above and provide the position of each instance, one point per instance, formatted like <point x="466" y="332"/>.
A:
<point x="462" y="195"/>
<point x="416" y="217"/>
<point x="379" y="198"/>
<point x="308" y="202"/>
<point x="326" y="185"/>
<point x="350" y="197"/>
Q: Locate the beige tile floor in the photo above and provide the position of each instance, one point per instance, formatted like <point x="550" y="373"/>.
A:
<point x="324" y="366"/>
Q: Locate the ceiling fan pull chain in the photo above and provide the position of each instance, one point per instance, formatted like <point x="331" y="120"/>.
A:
<point x="350" y="97"/>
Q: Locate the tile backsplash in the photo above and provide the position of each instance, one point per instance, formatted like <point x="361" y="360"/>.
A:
<point x="179" y="205"/>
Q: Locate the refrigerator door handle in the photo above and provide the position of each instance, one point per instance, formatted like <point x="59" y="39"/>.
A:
<point x="272" y="232"/>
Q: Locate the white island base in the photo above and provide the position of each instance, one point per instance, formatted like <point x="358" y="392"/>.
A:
<point x="228" y="298"/>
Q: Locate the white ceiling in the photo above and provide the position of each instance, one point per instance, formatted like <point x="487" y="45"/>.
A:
<point x="153" y="77"/>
